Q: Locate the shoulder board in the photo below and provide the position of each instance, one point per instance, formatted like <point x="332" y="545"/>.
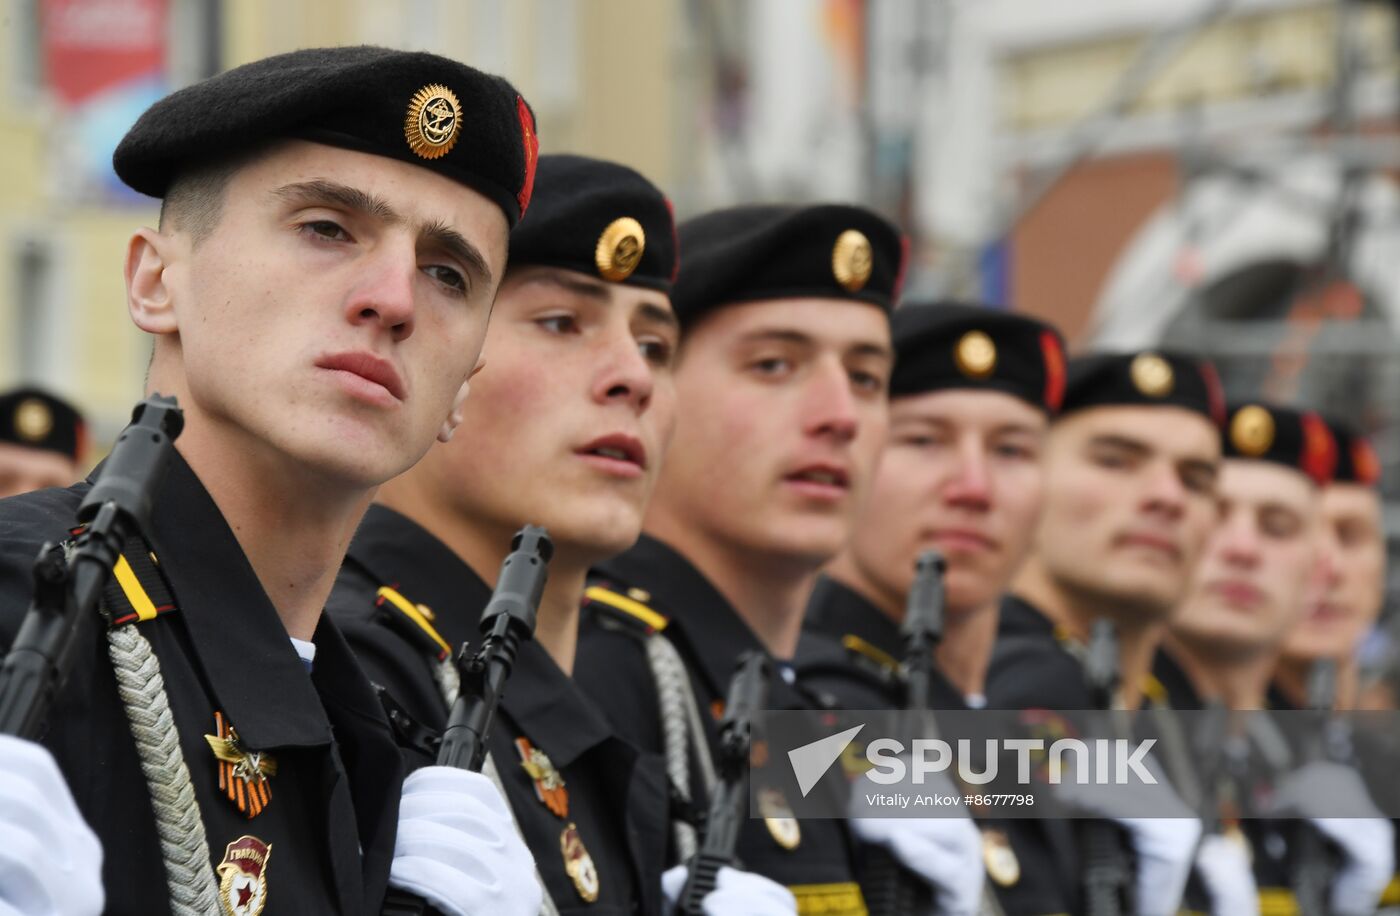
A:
<point x="412" y="620"/>
<point x="626" y="608"/>
<point x="137" y="591"/>
<point x="870" y="652"/>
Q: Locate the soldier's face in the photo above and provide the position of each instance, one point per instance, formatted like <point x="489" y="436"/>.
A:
<point x="1353" y="545"/>
<point x="1129" y="502"/>
<point x="1252" y="583"/>
<point x="782" y="414"/>
<point x="569" y="420"/>
<point x="961" y="474"/>
<point x="332" y="317"/>
<point x="24" y="469"/>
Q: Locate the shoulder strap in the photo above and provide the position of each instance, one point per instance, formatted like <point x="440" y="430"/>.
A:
<point x="627" y="609"/>
<point x="682" y="732"/>
<point x="136" y="593"/>
<point x="414" y="621"/>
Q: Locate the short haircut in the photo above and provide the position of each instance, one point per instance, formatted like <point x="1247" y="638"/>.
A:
<point x="195" y="201"/>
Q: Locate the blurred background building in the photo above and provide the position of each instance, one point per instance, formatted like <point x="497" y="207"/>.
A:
<point x="1217" y="175"/>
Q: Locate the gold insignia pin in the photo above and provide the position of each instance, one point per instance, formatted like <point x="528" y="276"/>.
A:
<point x="1000" y="859"/>
<point x="243" y="877"/>
<point x="852" y="260"/>
<point x="777" y="817"/>
<point x="1152" y="375"/>
<point x="33" y="420"/>
<point x="433" y="122"/>
<point x="549" y="784"/>
<point x="579" y="864"/>
<point x="976" y="355"/>
<point x="243" y="774"/>
<point x="620" y="248"/>
<point x="1252" y="430"/>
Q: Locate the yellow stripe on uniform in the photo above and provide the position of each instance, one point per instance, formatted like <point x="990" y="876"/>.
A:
<point x="1277" y="901"/>
<point x="131" y="587"/>
<point x="843" y="899"/>
<point x="412" y="612"/>
<point x="874" y="653"/>
<point x="627" y="606"/>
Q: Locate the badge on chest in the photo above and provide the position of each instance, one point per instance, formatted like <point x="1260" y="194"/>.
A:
<point x="553" y="794"/>
<point x="243" y="877"/>
<point x="243" y="774"/>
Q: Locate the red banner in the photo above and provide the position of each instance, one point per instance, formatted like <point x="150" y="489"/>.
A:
<point x="91" y="46"/>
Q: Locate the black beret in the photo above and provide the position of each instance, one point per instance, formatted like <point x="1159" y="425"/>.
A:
<point x="416" y="107"/>
<point x="1297" y="439"/>
<point x="1357" y="461"/>
<point x="34" y="418"/>
<point x="960" y="345"/>
<point x="830" y="251"/>
<point x="1145" y="378"/>
<point x="598" y="218"/>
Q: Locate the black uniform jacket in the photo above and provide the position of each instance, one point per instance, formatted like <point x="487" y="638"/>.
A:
<point x="616" y="796"/>
<point x="1031" y="667"/>
<point x="709" y="635"/>
<point x="861" y="672"/>
<point x="330" y="820"/>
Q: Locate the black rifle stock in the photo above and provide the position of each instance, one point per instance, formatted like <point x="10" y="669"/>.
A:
<point x="1107" y="884"/>
<point x="67" y="591"/>
<point x="748" y="691"/>
<point x="507" y="621"/>
<point x="1313" y="867"/>
<point x="889" y="888"/>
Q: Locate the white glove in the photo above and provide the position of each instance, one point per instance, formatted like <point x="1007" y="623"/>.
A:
<point x="50" y="860"/>
<point x="736" y="893"/>
<point x="1224" y="867"/>
<point x="1364" y="835"/>
<point x="946" y="852"/>
<point x="1165" y="844"/>
<point x="1368" y="846"/>
<point x="458" y="848"/>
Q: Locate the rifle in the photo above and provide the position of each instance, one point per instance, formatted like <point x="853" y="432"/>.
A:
<point x="889" y="888"/>
<point x="68" y="589"/>
<point x="509" y="620"/>
<point x="748" y="691"/>
<point x="1314" y="867"/>
<point x="1106" y="878"/>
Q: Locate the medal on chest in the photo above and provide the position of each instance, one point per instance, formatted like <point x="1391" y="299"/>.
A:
<point x="777" y="817"/>
<point x="999" y="858"/>
<point x="243" y="877"/>
<point x="554" y="795"/>
<point x="243" y="774"/>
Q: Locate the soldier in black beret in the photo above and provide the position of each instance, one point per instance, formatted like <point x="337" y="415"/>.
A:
<point x="333" y="230"/>
<point x="1353" y="590"/>
<point x="1130" y="471"/>
<point x="42" y="439"/>
<point x="971" y="397"/>
<point x="1253" y="586"/>
<point x="781" y="381"/>
<point x="582" y="343"/>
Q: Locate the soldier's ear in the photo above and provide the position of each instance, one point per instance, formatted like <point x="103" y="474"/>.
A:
<point x="454" y="419"/>
<point x="148" y="294"/>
